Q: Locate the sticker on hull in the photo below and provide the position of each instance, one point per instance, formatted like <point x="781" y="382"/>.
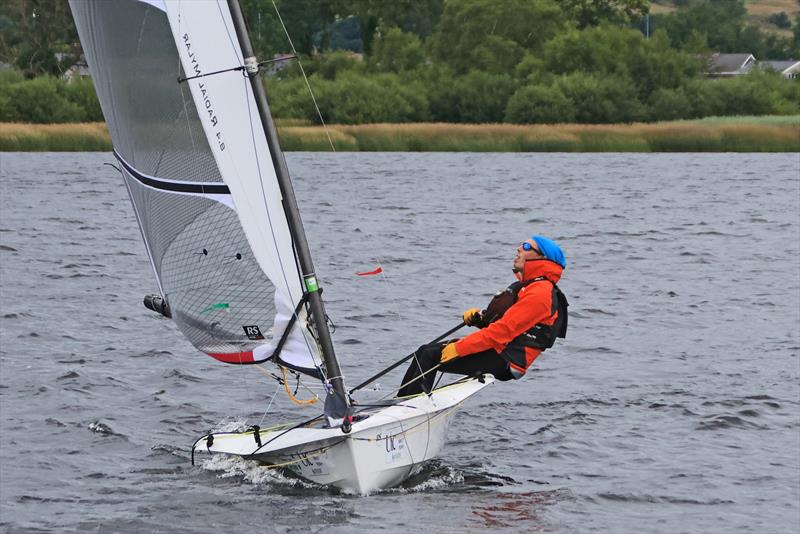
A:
<point x="394" y="445"/>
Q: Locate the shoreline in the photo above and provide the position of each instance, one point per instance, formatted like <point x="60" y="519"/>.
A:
<point x="720" y="134"/>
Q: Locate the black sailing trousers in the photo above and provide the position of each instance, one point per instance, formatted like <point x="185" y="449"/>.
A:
<point x="427" y="356"/>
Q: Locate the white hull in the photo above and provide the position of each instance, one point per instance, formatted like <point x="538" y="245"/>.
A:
<point x="381" y="450"/>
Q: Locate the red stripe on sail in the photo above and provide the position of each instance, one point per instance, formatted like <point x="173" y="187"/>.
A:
<point x="233" y="357"/>
<point x="370" y="273"/>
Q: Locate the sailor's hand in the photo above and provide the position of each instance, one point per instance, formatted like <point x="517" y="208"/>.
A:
<point x="472" y="317"/>
<point x="448" y="353"/>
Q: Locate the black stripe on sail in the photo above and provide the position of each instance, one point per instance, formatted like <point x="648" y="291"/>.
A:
<point x="178" y="187"/>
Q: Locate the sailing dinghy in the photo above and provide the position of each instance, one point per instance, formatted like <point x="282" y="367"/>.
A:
<point x="198" y="152"/>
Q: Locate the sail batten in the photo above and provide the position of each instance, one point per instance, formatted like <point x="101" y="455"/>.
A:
<point x="192" y="158"/>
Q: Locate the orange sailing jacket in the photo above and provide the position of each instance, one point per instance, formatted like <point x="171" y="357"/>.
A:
<point x="534" y="306"/>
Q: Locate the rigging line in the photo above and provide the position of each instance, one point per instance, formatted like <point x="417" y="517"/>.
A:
<point x="393" y="301"/>
<point x="399" y="401"/>
<point x="269" y="219"/>
<point x="264" y="197"/>
<point x="305" y="386"/>
<point x="414" y="428"/>
<point x="232" y="69"/>
<point x="298" y="425"/>
<point x="182" y="79"/>
<point x="144" y="236"/>
<point x="183" y="96"/>
<point x="283" y="156"/>
<point x="304" y="456"/>
<point x="284" y="383"/>
<point x="303" y="71"/>
<point x="185" y="108"/>
<point x="277" y="387"/>
<point x="291" y="396"/>
<point x="225" y="25"/>
<point x="432" y="369"/>
<point x="428" y="433"/>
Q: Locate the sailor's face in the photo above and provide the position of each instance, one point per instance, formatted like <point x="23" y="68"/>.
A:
<point x="524" y="255"/>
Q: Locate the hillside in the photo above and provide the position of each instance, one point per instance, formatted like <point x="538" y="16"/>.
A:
<point x="758" y="12"/>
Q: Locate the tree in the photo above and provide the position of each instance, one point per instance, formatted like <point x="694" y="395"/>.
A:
<point x="331" y="64"/>
<point x="796" y="31"/>
<point x="265" y="30"/>
<point x="38" y="36"/>
<point x="413" y="16"/>
<point x="724" y="25"/>
<point x="491" y="35"/>
<point x="613" y="51"/>
<point x="395" y="51"/>
<point x="720" y="21"/>
<point x="781" y="20"/>
<point x="593" y="12"/>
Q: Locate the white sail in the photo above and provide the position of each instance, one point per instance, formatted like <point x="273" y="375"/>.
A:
<point x="200" y="174"/>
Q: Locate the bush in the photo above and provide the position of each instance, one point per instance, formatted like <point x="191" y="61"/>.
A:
<point x="289" y="99"/>
<point x="351" y="98"/>
<point x="329" y="66"/>
<point x="40" y="100"/>
<point x="701" y="95"/>
<point x="669" y="104"/>
<point x="536" y="104"/>
<point x="10" y="76"/>
<point x="601" y="100"/>
<point x="477" y="97"/>
<point x="483" y="97"/>
<point x="356" y="99"/>
<point x="438" y="82"/>
<point x="80" y="91"/>
<point x="758" y="93"/>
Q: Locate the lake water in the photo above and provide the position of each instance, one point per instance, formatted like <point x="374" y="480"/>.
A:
<point x="673" y="406"/>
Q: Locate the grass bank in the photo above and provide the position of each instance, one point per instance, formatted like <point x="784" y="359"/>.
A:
<point x="725" y="134"/>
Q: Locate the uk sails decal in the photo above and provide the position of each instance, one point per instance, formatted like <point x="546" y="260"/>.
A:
<point x="207" y="105"/>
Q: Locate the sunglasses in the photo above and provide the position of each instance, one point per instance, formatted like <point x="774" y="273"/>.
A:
<point x="528" y="247"/>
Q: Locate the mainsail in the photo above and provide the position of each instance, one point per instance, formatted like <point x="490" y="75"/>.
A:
<point x="198" y="167"/>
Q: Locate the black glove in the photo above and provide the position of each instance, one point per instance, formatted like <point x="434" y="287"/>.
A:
<point x="473" y="317"/>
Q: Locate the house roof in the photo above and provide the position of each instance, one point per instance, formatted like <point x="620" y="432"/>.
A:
<point x="781" y="66"/>
<point x="729" y="63"/>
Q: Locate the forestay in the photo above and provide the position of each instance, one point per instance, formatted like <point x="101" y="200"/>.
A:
<point x="196" y="163"/>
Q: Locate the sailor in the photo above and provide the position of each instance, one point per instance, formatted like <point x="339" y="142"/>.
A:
<point x="517" y="325"/>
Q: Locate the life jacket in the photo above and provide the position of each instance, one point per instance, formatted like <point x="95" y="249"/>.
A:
<point x="540" y="336"/>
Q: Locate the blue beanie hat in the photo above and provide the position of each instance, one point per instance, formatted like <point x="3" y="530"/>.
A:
<point x="550" y="250"/>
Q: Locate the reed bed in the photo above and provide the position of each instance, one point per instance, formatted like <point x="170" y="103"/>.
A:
<point x="70" y="137"/>
<point x="680" y="136"/>
<point x="749" y="119"/>
<point x="747" y="134"/>
<point x="310" y="139"/>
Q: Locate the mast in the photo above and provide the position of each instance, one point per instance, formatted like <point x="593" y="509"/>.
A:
<point x="290" y="205"/>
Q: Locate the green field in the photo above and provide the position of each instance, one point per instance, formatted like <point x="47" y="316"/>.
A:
<point x="712" y="134"/>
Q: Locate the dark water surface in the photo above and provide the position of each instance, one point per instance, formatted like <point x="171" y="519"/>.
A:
<point x="674" y="406"/>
